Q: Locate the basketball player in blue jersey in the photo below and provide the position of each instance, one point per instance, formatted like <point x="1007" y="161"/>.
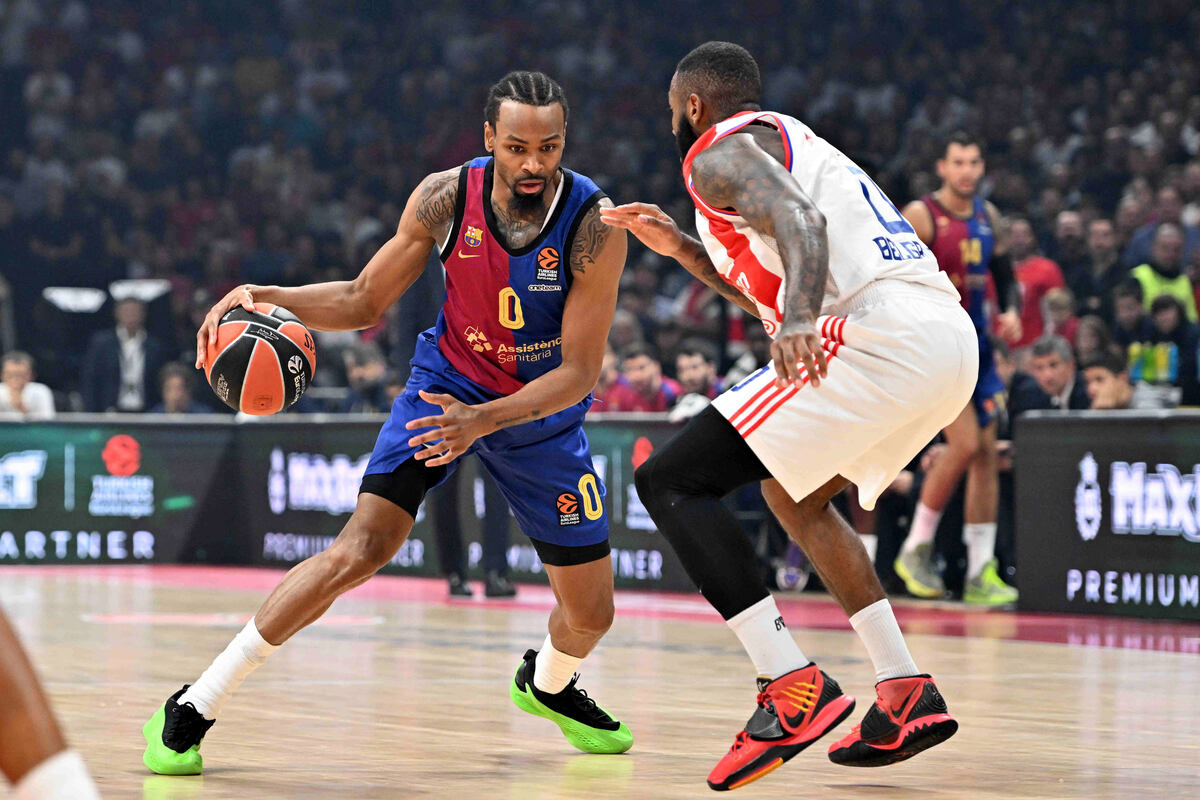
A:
<point x="531" y="286"/>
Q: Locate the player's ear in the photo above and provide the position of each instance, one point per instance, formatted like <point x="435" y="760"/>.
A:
<point x="489" y="137"/>
<point x="695" y="110"/>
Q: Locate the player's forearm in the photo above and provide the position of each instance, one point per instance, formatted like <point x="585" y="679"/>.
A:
<point x="804" y="250"/>
<point x="332" y="306"/>
<point x="561" y="387"/>
<point x="694" y="258"/>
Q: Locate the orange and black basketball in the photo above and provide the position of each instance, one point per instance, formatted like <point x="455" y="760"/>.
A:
<point x="263" y="359"/>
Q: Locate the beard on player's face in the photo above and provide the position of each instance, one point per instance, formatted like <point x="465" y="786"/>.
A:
<point x="685" y="136"/>
<point x="522" y="202"/>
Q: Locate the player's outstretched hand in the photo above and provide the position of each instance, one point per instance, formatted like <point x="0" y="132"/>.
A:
<point x="207" y="335"/>
<point x="454" y="430"/>
<point x="798" y="343"/>
<point x="650" y="224"/>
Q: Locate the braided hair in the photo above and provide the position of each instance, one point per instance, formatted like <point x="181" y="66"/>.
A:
<point x="526" y="88"/>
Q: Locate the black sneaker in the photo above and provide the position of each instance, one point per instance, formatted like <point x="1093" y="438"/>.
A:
<point x="458" y="586"/>
<point x="498" y="585"/>
<point x="586" y="725"/>
<point x="173" y="737"/>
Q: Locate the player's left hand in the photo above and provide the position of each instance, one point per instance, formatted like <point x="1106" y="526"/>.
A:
<point x="454" y="430"/>
<point x="798" y="343"/>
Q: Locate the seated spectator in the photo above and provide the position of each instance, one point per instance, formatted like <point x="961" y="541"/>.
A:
<point x="122" y="364"/>
<point x="20" y="396"/>
<point x="1166" y="359"/>
<point x="1036" y="275"/>
<point x="1052" y="384"/>
<point x="1168" y="210"/>
<point x="1130" y="322"/>
<point x="1106" y="376"/>
<point x="1163" y="274"/>
<point x="365" y="371"/>
<point x="393" y="386"/>
<point x="1059" y="312"/>
<point x="1093" y="282"/>
<point x="1092" y="337"/>
<point x="696" y="369"/>
<point x="646" y="389"/>
<point x="175" y="385"/>
<point x="606" y="385"/>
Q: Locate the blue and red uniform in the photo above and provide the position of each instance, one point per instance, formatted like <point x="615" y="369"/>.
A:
<point x="499" y="328"/>
<point x="964" y="248"/>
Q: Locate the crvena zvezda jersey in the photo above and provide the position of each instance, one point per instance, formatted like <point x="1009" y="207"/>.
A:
<point x="501" y="323"/>
<point x="964" y="248"/>
<point x="868" y="239"/>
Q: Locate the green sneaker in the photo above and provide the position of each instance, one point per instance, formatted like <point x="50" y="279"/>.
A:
<point x="989" y="589"/>
<point x="173" y="737"/>
<point x="915" y="568"/>
<point x="586" y="725"/>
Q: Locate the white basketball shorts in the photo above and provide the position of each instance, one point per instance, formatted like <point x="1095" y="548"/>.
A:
<point x="903" y="361"/>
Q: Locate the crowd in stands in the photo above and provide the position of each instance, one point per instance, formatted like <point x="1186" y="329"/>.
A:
<point x="190" y="147"/>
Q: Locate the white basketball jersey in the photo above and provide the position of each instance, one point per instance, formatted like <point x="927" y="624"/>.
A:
<point x="868" y="238"/>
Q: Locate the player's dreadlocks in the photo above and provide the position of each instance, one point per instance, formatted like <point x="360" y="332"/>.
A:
<point x="526" y="88"/>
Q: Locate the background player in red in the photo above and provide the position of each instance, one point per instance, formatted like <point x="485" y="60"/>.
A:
<point x="872" y="355"/>
<point x="506" y="373"/>
<point x="964" y="231"/>
<point x="33" y="752"/>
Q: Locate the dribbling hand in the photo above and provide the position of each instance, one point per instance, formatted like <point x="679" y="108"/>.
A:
<point x="207" y="335"/>
<point x="651" y="225"/>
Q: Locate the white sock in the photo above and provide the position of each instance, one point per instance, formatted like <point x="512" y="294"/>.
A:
<point x="876" y="626"/>
<point x="870" y="543"/>
<point x="245" y="653"/>
<point x="62" y="776"/>
<point x="767" y="640"/>
<point x="980" y="539"/>
<point x="924" y="526"/>
<point x="553" y="669"/>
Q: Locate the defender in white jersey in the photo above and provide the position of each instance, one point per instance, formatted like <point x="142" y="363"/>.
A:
<point x="872" y="356"/>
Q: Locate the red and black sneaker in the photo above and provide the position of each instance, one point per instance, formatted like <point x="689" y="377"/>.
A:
<point x="794" y="710"/>
<point x="909" y="716"/>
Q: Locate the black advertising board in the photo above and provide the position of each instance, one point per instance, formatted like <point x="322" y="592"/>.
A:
<point x="1108" y="513"/>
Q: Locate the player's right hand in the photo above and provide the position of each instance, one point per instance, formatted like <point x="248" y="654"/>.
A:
<point x="207" y="335"/>
<point x="650" y="224"/>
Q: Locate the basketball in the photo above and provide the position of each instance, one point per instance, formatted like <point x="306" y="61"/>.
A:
<point x="263" y="360"/>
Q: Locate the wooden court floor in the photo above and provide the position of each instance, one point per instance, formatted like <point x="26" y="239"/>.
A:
<point x="403" y="694"/>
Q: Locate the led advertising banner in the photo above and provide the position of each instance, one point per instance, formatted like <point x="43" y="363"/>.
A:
<point x="115" y="492"/>
<point x="1108" y="513"/>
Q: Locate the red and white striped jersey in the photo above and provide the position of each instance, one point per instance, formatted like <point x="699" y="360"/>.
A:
<point x="868" y="238"/>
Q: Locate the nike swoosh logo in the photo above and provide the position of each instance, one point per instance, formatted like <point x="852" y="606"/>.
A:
<point x="897" y="711"/>
<point x="464" y="255"/>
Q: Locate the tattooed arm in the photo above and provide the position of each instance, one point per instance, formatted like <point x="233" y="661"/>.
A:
<point x="738" y="173"/>
<point x="596" y="259"/>
<point x="357" y="304"/>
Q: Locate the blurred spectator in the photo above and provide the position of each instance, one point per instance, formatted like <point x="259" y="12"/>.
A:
<point x="393" y="386"/>
<point x="365" y="370"/>
<point x="1163" y="274"/>
<point x="1168" y="209"/>
<point x="1059" y="312"/>
<point x="1092" y="282"/>
<point x="1052" y="384"/>
<point x="175" y="384"/>
<point x="1070" y="250"/>
<point x="1108" y="388"/>
<point x="696" y="369"/>
<point x="1036" y="275"/>
<point x="645" y="389"/>
<point x="122" y="363"/>
<point x="1130" y="321"/>
<point x="20" y="396"/>
<point x="606" y="385"/>
<point x="1092" y="338"/>
<point x="1166" y="358"/>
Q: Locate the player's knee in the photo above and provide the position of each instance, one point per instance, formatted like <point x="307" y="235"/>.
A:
<point x="650" y="480"/>
<point x="354" y="559"/>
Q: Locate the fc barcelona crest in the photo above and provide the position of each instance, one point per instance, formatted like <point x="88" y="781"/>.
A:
<point x="473" y="236"/>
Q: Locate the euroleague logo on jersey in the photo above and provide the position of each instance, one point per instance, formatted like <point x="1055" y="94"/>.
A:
<point x="548" y="259"/>
<point x="568" y="509"/>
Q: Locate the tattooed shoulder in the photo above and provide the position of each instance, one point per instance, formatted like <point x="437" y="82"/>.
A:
<point x="436" y="197"/>
<point x="590" y="238"/>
